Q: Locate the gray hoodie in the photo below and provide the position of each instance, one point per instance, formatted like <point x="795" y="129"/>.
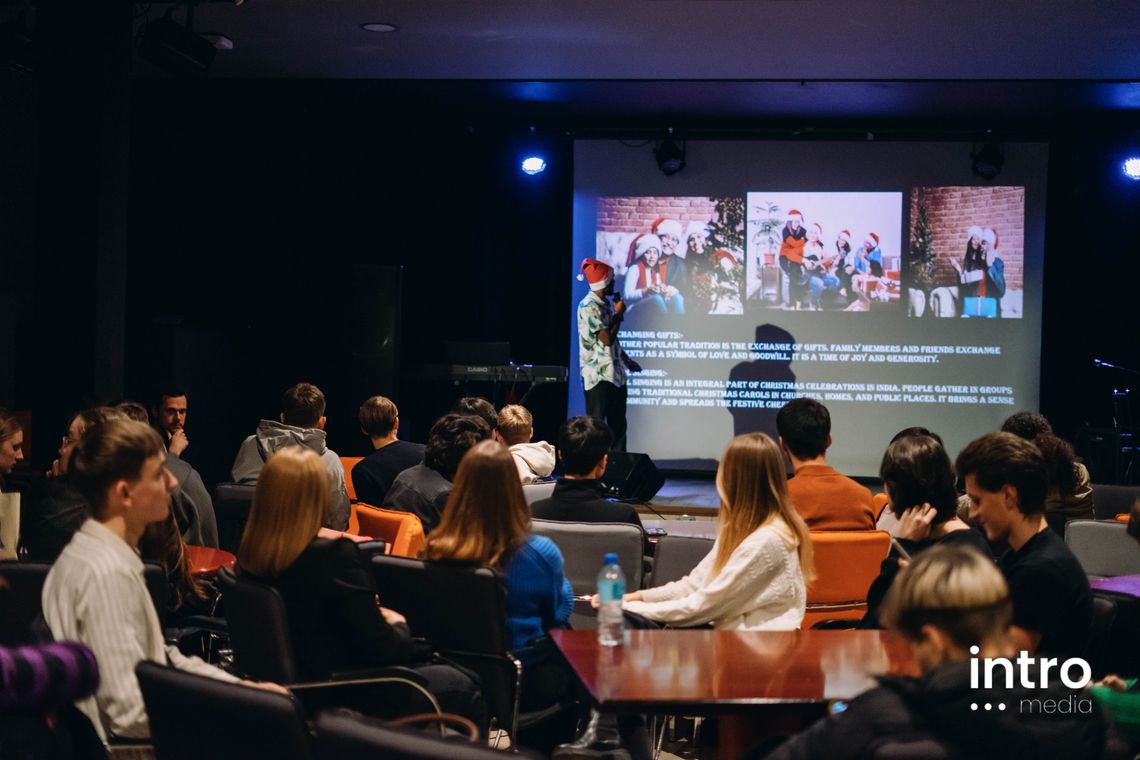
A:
<point x="533" y="460"/>
<point x="270" y="438"/>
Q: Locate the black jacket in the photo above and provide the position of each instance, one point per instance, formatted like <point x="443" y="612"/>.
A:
<point x="51" y="513"/>
<point x="937" y="707"/>
<point x="582" y="501"/>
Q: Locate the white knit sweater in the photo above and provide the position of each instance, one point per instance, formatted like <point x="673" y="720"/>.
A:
<point x="761" y="587"/>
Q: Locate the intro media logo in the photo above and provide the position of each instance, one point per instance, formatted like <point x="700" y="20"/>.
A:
<point x="1027" y="667"/>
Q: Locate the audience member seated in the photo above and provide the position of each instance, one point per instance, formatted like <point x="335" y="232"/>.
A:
<point x="54" y="509"/>
<point x="487" y="521"/>
<point x="170" y="419"/>
<point x="583" y="443"/>
<point x="186" y="595"/>
<point x="302" y="423"/>
<point x="951" y="603"/>
<point x="1006" y="479"/>
<point x="11" y="444"/>
<point x="424" y="488"/>
<point x="95" y="593"/>
<point x="535" y="460"/>
<point x="335" y="621"/>
<point x="191" y="503"/>
<point x="1070" y="495"/>
<point x="372" y="476"/>
<point x="826" y="499"/>
<point x="481" y="408"/>
<point x="919" y="482"/>
<point x="754" y="577"/>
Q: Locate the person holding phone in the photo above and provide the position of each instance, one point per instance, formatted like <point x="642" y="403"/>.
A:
<point x="602" y="361"/>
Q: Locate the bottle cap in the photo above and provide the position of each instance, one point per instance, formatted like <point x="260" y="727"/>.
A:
<point x="611" y="559"/>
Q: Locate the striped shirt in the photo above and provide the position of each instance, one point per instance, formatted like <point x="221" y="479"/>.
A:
<point x="95" y="594"/>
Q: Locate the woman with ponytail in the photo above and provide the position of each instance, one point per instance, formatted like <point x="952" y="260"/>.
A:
<point x="755" y="576"/>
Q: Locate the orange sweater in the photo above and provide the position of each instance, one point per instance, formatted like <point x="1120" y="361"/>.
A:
<point x="829" y="500"/>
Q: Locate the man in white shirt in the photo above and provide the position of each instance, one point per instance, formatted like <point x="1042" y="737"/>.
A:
<point x="95" y="593"/>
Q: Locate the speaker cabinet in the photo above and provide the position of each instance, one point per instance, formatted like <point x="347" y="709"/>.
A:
<point x="632" y="477"/>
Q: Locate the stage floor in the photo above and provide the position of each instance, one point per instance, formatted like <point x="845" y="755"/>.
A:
<point x="679" y="495"/>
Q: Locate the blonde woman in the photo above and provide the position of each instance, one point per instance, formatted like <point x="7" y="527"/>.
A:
<point x="335" y="620"/>
<point x="754" y="577"/>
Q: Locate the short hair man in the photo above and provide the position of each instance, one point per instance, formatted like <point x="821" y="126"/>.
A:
<point x="479" y="407"/>
<point x="95" y="593"/>
<point x="534" y="460"/>
<point x="583" y="446"/>
<point x="372" y="476"/>
<point x="949" y="604"/>
<point x="301" y="423"/>
<point x="170" y="418"/>
<point x="423" y="489"/>
<point x="825" y="498"/>
<point x="1006" y="480"/>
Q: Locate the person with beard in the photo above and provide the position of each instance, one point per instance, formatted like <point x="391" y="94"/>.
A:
<point x="793" y="241"/>
<point x="952" y="604"/>
<point x="674" y="270"/>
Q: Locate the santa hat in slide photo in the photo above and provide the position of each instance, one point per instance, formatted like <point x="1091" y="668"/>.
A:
<point x="697" y="228"/>
<point x="640" y="245"/>
<point x="974" y="232"/>
<point x="990" y="237"/>
<point x="817" y="228"/>
<point x="872" y="238"/>
<point x="597" y="273"/>
<point x="796" y="215"/>
<point x="722" y="256"/>
<point x="845" y="235"/>
<point x="664" y="226"/>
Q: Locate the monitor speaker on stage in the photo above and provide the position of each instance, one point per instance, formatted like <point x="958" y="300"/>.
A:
<point x="376" y="304"/>
<point x="632" y="477"/>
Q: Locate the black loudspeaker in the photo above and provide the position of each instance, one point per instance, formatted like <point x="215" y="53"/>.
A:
<point x="376" y="303"/>
<point x="632" y="477"/>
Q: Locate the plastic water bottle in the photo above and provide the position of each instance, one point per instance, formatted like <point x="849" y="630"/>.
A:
<point x="611" y="589"/>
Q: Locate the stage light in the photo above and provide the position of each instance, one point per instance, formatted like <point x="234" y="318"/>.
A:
<point x="1131" y="167"/>
<point x="988" y="160"/>
<point x="533" y="165"/>
<point x="670" y="157"/>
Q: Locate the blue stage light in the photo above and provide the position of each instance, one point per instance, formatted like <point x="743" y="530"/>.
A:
<point x="533" y="165"/>
<point x="1131" y="167"/>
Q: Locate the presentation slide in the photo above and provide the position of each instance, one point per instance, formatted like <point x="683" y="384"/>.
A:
<point x="882" y="279"/>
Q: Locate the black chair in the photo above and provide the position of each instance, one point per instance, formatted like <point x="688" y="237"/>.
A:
<point x="341" y="737"/>
<point x="1098" y="649"/>
<point x="231" y="506"/>
<point x="194" y="717"/>
<point x="1111" y="500"/>
<point x="22" y="599"/>
<point x="461" y="609"/>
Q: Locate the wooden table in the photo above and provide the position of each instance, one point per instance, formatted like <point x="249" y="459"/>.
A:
<point x="207" y="561"/>
<point x="785" y="678"/>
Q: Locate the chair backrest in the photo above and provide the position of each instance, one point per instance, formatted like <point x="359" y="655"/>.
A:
<point x="348" y="463"/>
<point x="1104" y="549"/>
<point x="846" y="562"/>
<point x="403" y="531"/>
<point x="1098" y="648"/>
<point x="259" y="630"/>
<point x="348" y="738"/>
<point x="538" y="491"/>
<point x="584" y="547"/>
<point x="192" y="717"/>
<point x="676" y="556"/>
<point x="231" y="505"/>
<point x="461" y="609"/>
<point x="1111" y="500"/>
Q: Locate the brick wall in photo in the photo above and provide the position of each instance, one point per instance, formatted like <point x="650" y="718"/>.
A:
<point x="952" y="210"/>
<point x="638" y="214"/>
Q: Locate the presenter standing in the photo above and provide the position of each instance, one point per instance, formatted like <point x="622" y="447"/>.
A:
<point x="603" y="363"/>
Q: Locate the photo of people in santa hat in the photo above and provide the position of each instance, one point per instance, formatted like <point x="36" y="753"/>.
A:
<point x="802" y="255"/>
<point x="669" y="254"/>
<point x="966" y="253"/>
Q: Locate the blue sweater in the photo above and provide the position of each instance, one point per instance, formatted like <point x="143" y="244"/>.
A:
<point x="538" y="595"/>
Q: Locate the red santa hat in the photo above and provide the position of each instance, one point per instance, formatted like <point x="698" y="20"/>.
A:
<point x="597" y="273"/>
<point x="990" y="237"/>
<point x="845" y="235"/>
<point x="872" y="237"/>
<point x="722" y="255"/>
<point x="663" y="226"/>
<point x="974" y="232"/>
<point x="796" y="215"/>
<point x="818" y="229"/>
<point x="640" y="245"/>
<point x="697" y="228"/>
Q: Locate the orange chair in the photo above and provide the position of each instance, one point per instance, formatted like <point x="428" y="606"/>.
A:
<point x="846" y="562"/>
<point x="348" y="463"/>
<point x="400" y="530"/>
<point x="878" y="503"/>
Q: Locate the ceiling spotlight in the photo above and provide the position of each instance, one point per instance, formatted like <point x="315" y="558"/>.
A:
<point x="988" y="160"/>
<point x="533" y="165"/>
<point x="377" y="26"/>
<point x="670" y="157"/>
<point x="1131" y="168"/>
